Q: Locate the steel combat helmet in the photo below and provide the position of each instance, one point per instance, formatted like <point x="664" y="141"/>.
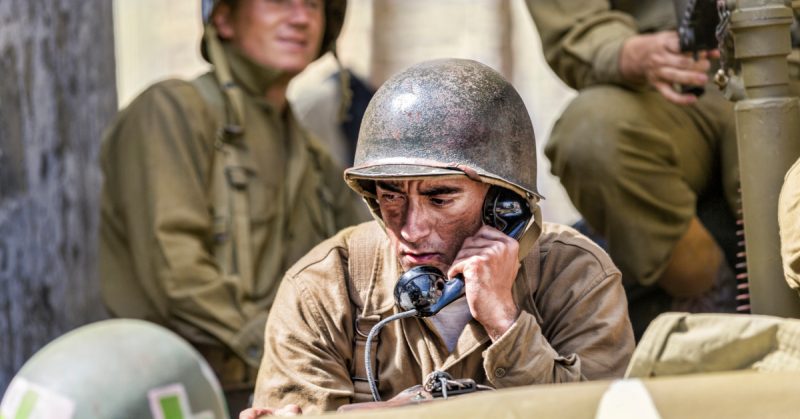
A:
<point x="449" y="117"/>
<point x="115" y="369"/>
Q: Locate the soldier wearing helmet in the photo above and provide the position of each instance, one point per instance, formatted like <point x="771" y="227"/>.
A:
<point x="212" y="190"/>
<point x="436" y="140"/>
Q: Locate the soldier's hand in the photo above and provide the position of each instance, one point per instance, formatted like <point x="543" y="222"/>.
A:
<point x="489" y="262"/>
<point x="656" y="59"/>
<point x="257" y="412"/>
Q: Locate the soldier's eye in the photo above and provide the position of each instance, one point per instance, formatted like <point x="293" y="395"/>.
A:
<point x="388" y="196"/>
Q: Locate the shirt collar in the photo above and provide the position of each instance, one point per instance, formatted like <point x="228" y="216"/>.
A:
<point x="252" y="77"/>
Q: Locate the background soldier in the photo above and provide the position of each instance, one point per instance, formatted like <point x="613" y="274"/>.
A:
<point x="212" y="190"/>
<point x="635" y="155"/>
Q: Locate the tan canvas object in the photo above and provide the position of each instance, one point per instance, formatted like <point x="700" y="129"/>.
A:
<point x="739" y="394"/>
<point x="682" y="343"/>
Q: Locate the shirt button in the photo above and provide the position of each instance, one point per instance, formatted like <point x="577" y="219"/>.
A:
<point x="500" y="372"/>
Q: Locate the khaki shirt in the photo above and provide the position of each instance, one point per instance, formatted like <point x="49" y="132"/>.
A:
<point x="789" y="221"/>
<point x="573" y="324"/>
<point x="159" y="231"/>
<point x="582" y="39"/>
<point x="682" y="343"/>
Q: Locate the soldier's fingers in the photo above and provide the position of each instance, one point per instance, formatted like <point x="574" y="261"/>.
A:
<point x="254" y="413"/>
<point x="670" y="41"/>
<point x="289" y="410"/>
<point x="465" y="254"/>
<point x="686" y="77"/>
<point x="701" y="64"/>
<point x="671" y="95"/>
<point x="680" y="61"/>
<point x="492" y="234"/>
<point x="670" y="60"/>
<point x="479" y="242"/>
<point x="456" y="267"/>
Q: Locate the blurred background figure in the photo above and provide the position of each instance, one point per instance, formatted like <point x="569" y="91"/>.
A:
<point x="213" y="190"/>
<point x="653" y="169"/>
<point x="333" y="112"/>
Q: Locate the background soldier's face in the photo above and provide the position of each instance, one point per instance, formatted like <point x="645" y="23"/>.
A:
<point x="280" y="34"/>
<point x="428" y="220"/>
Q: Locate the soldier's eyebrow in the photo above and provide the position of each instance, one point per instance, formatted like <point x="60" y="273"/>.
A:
<point x="440" y="190"/>
<point x="388" y="186"/>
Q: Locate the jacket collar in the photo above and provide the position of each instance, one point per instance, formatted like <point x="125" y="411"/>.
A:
<point x="253" y="78"/>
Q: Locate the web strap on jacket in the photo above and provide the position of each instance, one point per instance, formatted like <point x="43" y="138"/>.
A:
<point x="365" y="261"/>
<point x="228" y="191"/>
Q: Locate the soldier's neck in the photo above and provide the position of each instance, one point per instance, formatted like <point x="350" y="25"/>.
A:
<point x="276" y="96"/>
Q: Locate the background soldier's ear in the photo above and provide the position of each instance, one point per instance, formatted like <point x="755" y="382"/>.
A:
<point x="222" y="19"/>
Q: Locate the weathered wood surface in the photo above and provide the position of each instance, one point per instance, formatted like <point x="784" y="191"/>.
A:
<point x="57" y="94"/>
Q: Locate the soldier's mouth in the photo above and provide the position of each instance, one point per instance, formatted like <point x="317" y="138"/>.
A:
<point x="299" y="44"/>
<point x="414" y="258"/>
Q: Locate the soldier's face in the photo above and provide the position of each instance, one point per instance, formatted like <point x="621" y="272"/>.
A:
<point x="279" y="34"/>
<point x="428" y="220"/>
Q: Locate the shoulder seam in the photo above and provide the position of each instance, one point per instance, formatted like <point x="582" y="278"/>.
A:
<point x="296" y="271"/>
<point x="607" y="269"/>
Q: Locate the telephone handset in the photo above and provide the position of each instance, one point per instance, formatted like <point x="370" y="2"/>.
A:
<point x="424" y="290"/>
<point x="427" y="290"/>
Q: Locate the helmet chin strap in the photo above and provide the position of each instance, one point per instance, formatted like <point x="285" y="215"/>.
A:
<point x="531" y="233"/>
<point x="233" y="93"/>
<point x="344" y="84"/>
<point x="206" y="7"/>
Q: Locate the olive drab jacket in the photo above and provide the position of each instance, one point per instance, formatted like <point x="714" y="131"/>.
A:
<point x="184" y="199"/>
<point x="573" y="324"/>
<point x="581" y="40"/>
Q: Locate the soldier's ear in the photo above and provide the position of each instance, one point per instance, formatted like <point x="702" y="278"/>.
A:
<point x="222" y="19"/>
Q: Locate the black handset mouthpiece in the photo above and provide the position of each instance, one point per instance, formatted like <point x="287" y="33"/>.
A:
<point x="427" y="290"/>
<point x="453" y="290"/>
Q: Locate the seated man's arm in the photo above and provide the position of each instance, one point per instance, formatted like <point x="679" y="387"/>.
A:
<point x="157" y="165"/>
<point x="582" y="39"/>
<point x="577" y="329"/>
<point x="586" y="43"/>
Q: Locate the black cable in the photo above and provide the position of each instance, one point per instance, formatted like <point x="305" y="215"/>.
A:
<point x="367" y="356"/>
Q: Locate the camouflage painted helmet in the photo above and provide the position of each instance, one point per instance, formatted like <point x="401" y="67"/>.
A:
<point x="334" y="19"/>
<point x="447" y="117"/>
<point x="116" y="369"/>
